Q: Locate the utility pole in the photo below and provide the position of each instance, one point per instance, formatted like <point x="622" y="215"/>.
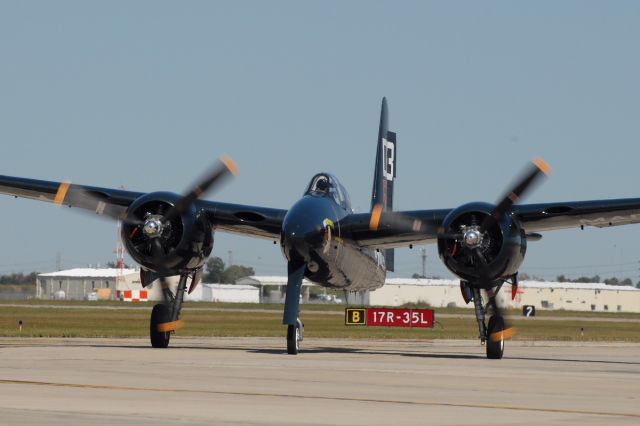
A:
<point x="423" y="255"/>
<point x="230" y="253"/>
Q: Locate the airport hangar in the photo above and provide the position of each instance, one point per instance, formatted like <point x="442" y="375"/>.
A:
<point x="441" y="293"/>
<point x="124" y="284"/>
<point x="111" y="284"/>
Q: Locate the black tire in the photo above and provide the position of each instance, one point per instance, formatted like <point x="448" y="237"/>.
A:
<point x="293" y="339"/>
<point x="160" y="314"/>
<point x="495" y="349"/>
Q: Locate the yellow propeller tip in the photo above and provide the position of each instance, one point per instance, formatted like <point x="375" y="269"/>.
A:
<point x="62" y="192"/>
<point x="542" y="165"/>
<point x="503" y="335"/>
<point x="230" y="164"/>
<point x="170" y="326"/>
<point x="375" y="217"/>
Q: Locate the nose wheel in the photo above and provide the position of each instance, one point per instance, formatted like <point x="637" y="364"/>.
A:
<point x="295" y="335"/>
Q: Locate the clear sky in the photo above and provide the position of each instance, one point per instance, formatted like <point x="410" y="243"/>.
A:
<point x="147" y="94"/>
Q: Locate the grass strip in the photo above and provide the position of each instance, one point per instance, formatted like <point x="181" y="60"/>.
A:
<point x="99" y="322"/>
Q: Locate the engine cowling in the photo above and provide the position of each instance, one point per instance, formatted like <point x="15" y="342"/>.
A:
<point x="481" y="256"/>
<point x="167" y="246"/>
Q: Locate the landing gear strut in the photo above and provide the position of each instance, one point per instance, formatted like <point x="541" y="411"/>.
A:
<point x="291" y="317"/>
<point x="165" y="317"/>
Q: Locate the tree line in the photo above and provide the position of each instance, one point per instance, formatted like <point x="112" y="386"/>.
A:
<point x="564" y="279"/>
<point x="217" y="272"/>
<point x="19" y="278"/>
<point x="583" y="279"/>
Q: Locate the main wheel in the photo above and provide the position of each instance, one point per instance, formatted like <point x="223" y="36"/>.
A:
<point x="160" y="314"/>
<point x="495" y="342"/>
<point x="294" y="335"/>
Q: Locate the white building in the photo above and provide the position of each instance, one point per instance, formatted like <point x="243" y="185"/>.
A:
<point x="543" y="295"/>
<point x="263" y="283"/>
<point x="79" y="283"/>
<point x="234" y="293"/>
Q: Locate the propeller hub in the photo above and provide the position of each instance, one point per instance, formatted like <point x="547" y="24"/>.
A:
<point x="472" y="238"/>
<point x="153" y="227"/>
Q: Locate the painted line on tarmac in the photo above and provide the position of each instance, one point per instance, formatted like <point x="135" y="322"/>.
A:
<point x="320" y="397"/>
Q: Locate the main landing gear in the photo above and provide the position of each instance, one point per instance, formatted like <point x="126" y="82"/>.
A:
<point x="165" y="317"/>
<point x="493" y="334"/>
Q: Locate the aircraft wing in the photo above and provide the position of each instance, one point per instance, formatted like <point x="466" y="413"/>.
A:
<point x="421" y="226"/>
<point x="390" y="233"/>
<point x="598" y="213"/>
<point x="262" y="222"/>
<point x="236" y="218"/>
<point x="115" y="201"/>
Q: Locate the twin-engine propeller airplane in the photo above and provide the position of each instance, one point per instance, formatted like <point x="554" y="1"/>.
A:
<point x="322" y="239"/>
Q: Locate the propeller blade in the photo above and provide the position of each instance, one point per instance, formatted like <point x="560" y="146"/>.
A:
<point x="508" y="331"/>
<point x="389" y="220"/>
<point x="79" y="196"/>
<point x="220" y="171"/>
<point x="480" y="256"/>
<point x="170" y="326"/>
<point x="537" y="169"/>
<point x="505" y="334"/>
<point x="156" y="248"/>
<point x="450" y="236"/>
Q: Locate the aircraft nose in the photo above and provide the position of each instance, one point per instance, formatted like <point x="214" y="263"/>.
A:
<point x="301" y="234"/>
<point x="300" y="237"/>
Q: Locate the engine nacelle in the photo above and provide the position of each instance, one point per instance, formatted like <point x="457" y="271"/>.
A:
<point x="481" y="257"/>
<point x="172" y="246"/>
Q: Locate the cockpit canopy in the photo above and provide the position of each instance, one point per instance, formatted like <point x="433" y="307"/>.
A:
<point x="325" y="184"/>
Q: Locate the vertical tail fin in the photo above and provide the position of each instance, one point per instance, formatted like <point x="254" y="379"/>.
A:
<point x="385" y="173"/>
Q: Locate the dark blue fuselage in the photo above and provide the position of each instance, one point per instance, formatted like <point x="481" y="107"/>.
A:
<point x="311" y="234"/>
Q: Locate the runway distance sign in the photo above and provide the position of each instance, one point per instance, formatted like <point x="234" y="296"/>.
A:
<point x="389" y="317"/>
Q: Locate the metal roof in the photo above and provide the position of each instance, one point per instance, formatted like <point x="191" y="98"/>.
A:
<point x="89" y="273"/>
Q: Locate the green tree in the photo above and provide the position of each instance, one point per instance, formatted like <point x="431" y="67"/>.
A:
<point x="19" y="278"/>
<point x="418" y="276"/>
<point x="626" y="281"/>
<point x="214" y="270"/>
<point x="235" y="272"/>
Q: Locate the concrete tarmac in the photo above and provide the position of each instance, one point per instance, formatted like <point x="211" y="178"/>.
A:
<point x="333" y="382"/>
